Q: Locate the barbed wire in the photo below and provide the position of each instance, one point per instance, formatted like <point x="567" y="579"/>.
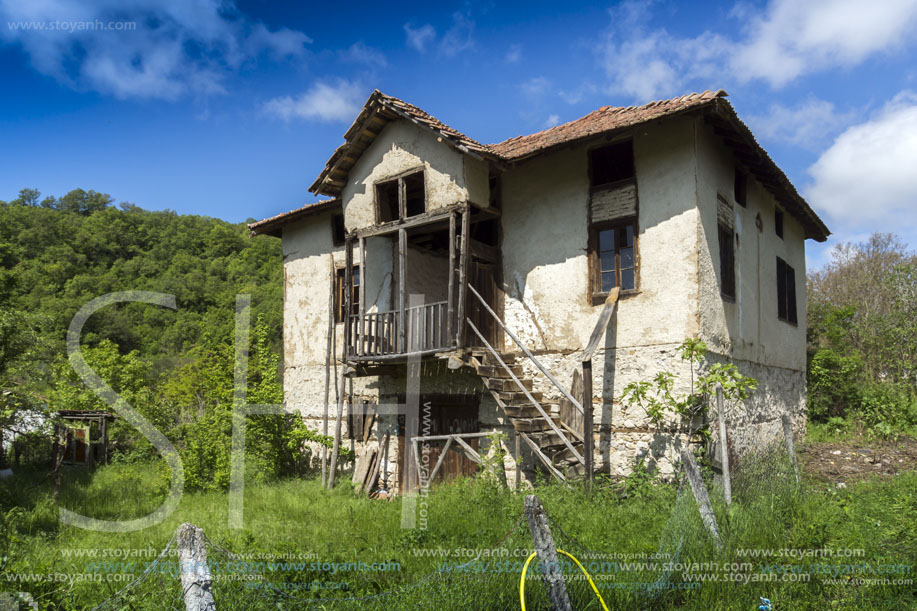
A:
<point x="146" y="573"/>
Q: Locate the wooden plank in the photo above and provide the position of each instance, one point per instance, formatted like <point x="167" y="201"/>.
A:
<point x="604" y="318"/>
<point x="380" y="458"/>
<point x="569" y="415"/>
<point x="348" y="295"/>
<point x="700" y="495"/>
<point x="724" y="445"/>
<point x="547" y="553"/>
<point x="362" y="467"/>
<point x="588" y="428"/>
<point x="369" y="418"/>
<point x="439" y="461"/>
<point x="468" y="449"/>
<point x="484" y="251"/>
<point x="518" y="461"/>
<point x="450" y="435"/>
<point x="528" y="395"/>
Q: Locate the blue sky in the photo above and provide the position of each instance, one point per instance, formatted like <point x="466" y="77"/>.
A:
<point x="231" y="109"/>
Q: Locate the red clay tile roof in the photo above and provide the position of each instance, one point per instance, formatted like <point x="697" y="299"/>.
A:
<point x="605" y="119"/>
<point x="381" y="109"/>
<point x="271" y="226"/>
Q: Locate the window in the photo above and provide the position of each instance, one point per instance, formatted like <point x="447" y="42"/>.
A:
<point x="741" y="188"/>
<point x="339" y="294"/>
<point x="337" y="230"/>
<point x="401" y="198"/>
<point x="611" y="163"/>
<point x="727" y="262"/>
<point x="786" y="292"/>
<point x="778" y="223"/>
<point x="613" y="254"/>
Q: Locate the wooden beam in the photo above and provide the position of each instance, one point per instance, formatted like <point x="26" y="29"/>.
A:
<point x="544" y="459"/>
<point x="451" y="294"/>
<point x="588" y="435"/>
<point x="348" y="295"/>
<point x="402" y="270"/>
<point x="362" y="297"/>
<point x="439" y="461"/>
<point x="602" y="324"/>
<point x="484" y="251"/>
<point x="463" y="278"/>
<point x="468" y="449"/>
<point x="701" y="496"/>
<point x="724" y="446"/>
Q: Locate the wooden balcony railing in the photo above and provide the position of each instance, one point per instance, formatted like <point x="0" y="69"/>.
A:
<point x="376" y="334"/>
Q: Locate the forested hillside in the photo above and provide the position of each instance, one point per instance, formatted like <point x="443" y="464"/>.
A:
<point x="174" y="366"/>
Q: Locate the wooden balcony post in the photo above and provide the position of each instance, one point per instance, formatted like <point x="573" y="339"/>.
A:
<point x="463" y="277"/>
<point x="402" y="267"/>
<point x="362" y="298"/>
<point x="348" y="296"/>
<point x="451" y="295"/>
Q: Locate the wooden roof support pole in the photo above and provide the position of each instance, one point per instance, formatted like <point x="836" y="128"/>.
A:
<point x="329" y="359"/>
<point x="402" y="271"/>
<point x="362" y="298"/>
<point x="463" y="277"/>
<point x="450" y="299"/>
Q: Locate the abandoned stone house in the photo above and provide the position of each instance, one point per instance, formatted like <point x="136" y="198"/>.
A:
<point x="486" y="268"/>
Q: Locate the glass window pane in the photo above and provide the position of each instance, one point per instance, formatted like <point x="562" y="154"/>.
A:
<point x="608" y="281"/>
<point x="627" y="279"/>
<point x="628" y="237"/>
<point x="627" y="258"/>
<point x="607" y="261"/>
<point x="607" y="239"/>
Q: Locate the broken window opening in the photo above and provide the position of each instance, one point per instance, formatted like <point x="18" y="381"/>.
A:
<point x="741" y="188"/>
<point x="612" y="163"/>
<point x="786" y="292"/>
<point x="778" y="223"/>
<point x="338" y="231"/>
<point x="339" y="293"/>
<point x="401" y="198"/>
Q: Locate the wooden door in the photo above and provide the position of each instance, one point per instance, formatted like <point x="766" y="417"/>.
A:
<point x="444" y="416"/>
<point x="484" y="277"/>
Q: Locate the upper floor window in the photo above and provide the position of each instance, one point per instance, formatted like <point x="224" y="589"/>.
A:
<point x="778" y="222"/>
<point x="338" y="231"/>
<point x="725" y="223"/>
<point x="613" y="257"/>
<point x="786" y="292"/>
<point x="339" y="293"/>
<point x="401" y="197"/>
<point x="612" y="163"/>
<point x="740" y="188"/>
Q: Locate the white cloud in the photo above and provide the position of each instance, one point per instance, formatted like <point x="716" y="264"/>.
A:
<point x="535" y="87"/>
<point x="458" y="38"/>
<point x="810" y="124"/>
<point x="417" y="38"/>
<point x="513" y="54"/>
<point x="360" y="53"/>
<point x="173" y="48"/>
<point x="786" y="40"/>
<point x="867" y="175"/>
<point x="551" y="121"/>
<point x="322" y="102"/>
<point x="794" y="38"/>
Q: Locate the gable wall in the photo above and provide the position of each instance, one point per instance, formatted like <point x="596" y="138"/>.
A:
<point x="450" y="176"/>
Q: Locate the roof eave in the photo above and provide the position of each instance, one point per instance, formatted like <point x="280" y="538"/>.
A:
<point x="274" y="225"/>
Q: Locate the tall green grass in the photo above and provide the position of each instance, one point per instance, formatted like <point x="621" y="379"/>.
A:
<point x="770" y="511"/>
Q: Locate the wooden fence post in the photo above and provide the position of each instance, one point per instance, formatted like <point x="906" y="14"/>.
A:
<point x="724" y="446"/>
<point x="790" y="446"/>
<point x="195" y="574"/>
<point x="547" y="554"/>
<point x="700" y="495"/>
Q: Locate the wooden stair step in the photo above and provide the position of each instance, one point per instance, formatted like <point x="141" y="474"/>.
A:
<point x="522" y="411"/>
<point x="531" y="425"/>
<point x="489" y="359"/>
<point x="547" y="439"/>
<point x="518" y="398"/>
<point x="499" y="384"/>
<point x="498" y="372"/>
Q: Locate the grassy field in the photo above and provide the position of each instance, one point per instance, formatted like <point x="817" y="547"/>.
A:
<point x="306" y="542"/>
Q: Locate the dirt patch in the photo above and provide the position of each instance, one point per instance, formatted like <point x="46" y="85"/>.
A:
<point x="856" y="459"/>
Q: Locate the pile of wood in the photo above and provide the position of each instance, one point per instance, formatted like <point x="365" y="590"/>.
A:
<point x="368" y="466"/>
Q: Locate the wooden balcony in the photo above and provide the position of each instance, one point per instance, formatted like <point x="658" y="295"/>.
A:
<point x="377" y="335"/>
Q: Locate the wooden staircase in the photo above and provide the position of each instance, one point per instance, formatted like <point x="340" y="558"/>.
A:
<point x="527" y="421"/>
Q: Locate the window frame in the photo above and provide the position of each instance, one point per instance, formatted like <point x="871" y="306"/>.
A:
<point x="593" y="185"/>
<point x="340" y="274"/>
<point x="597" y="296"/>
<point x="721" y="230"/>
<point x="399" y="180"/>
<point x="786" y="293"/>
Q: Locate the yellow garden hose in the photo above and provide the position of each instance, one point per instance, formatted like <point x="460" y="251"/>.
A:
<point x="525" y="567"/>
